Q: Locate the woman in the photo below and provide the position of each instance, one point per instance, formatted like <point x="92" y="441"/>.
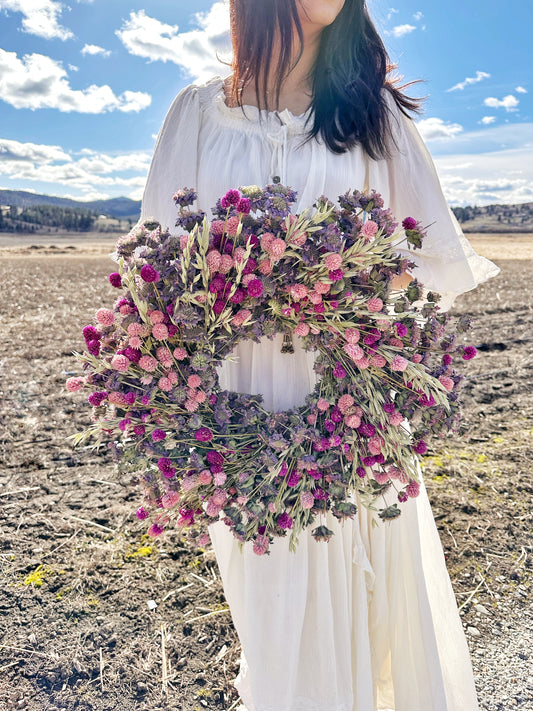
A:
<point x="369" y="620"/>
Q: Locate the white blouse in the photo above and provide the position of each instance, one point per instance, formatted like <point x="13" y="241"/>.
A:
<point x="206" y="145"/>
<point x="211" y="147"/>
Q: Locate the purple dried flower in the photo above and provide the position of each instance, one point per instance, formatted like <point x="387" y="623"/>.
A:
<point x="141" y="513"/>
<point x="158" y="435"/>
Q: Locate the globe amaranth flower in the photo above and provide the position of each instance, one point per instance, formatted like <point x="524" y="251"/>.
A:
<point x="149" y="274"/>
<point x="409" y="223"/>
<point x="97" y="398"/>
<point x="115" y="279"/>
<point x="204" y="434"/>
<point x="285" y="521"/>
<point x="158" y="435"/>
<point x="469" y="352"/>
<point x="255" y="288"/>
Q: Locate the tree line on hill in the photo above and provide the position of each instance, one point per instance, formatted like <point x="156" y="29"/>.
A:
<point x="39" y="218"/>
<point x="34" y="218"/>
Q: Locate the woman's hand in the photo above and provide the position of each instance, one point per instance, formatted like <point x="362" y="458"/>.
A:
<point x="400" y="281"/>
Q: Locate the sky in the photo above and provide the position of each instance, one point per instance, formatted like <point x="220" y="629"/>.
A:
<point x="85" y="86"/>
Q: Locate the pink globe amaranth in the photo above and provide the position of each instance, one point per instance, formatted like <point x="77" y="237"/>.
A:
<point x="302" y="329"/>
<point x="105" y="317"/>
<point x="74" y="384"/>
<point x="158" y="435"/>
<point x="307" y="499"/>
<point x="333" y="261"/>
<point x="446" y="382"/>
<point x="399" y="363"/>
<point x="412" y="489"/>
<point x="374" y="304"/>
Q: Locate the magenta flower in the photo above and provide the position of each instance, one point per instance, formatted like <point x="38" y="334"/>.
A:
<point x="115" y="279"/>
<point x="255" y="288"/>
<point x="285" y="521"/>
<point x="149" y="274"/>
<point x="93" y="347"/>
<point x="409" y="223"/>
<point x="420" y="447"/>
<point x="232" y="197"/>
<point x="141" y="513"/>
<point x="244" y="205"/>
<point x="90" y="334"/>
<point x="339" y="371"/>
<point x="204" y="434"/>
<point x="335" y="274"/>
<point x="158" y="435"/>
<point x="214" y="457"/>
<point x="469" y="352"/>
<point x="96" y="399"/>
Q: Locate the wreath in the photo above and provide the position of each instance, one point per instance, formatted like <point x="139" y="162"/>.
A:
<point x="384" y="359"/>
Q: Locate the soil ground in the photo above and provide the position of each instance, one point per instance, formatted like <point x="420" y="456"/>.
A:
<point x="96" y="616"/>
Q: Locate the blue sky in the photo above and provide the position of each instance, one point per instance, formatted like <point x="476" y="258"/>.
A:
<point x="84" y="88"/>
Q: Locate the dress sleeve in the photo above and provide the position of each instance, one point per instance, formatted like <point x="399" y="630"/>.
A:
<point x="174" y="161"/>
<point x="446" y="263"/>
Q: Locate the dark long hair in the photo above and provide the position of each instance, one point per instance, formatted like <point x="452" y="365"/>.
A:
<point x="351" y="70"/>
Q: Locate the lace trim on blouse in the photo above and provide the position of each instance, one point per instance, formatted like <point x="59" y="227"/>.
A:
<point x="249" y="121"/>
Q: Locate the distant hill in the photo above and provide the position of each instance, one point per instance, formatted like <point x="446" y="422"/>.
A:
<point x="496" y="218"/>
<point x="120" y="207"/>
<point x="490" y="218"/>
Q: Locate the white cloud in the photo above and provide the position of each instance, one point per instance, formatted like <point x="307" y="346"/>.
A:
<point x="73" y="67"/>
<point x="521" y="90"/>
<point x="40" y="17"/>
<point x="95" y="49"/>
<point x="418" y="15"/>
<point x="473" y="183"/>
<point x="435" y="128"/>
<point x="392" y="11"/>
<point x="31" y="152"/>
<point x="401" y="30"/>
<point x="36" y="81"/>
<point x="39" y="163"/>
<point x="488" y="119"/>
<point x="487" y="165"/>
<point x="470" y="80"/>
<point x="509" y="102"/>
<point x="194" y="50"/>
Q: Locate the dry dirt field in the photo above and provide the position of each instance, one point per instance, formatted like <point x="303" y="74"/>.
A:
<point x="97" y="617"/>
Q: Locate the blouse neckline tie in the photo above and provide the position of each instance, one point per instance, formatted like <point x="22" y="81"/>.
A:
<point x="279" y="141"/>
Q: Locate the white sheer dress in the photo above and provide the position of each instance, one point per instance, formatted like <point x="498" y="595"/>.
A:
<point x="368" y="621"/>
